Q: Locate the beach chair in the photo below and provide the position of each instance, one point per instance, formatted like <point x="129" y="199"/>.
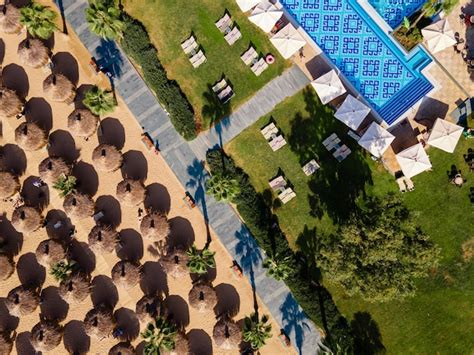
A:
<point x="334" y="144"/>
<point x="259" y="67"/>
<point x="219" y="86"/>
<point x="223" y="22"/>
<point x="190" y="45"/>
<point x="268" y="130"/>
<point x="277" y="143"/>
<point x="410" y="184"/>
<point x="329" y="139"/>
<point x="233" y="36"/>
<point x="311" y="167"/>
<point x="353" y="135"/>
<point x="226" y="94"/>
<point x="278" y="183"/>
<point x="401" y="185"/>
<point x="201" y="59"/>
<point x="249" y="56"/>
<point x="287" y="195"/>
<point x="195" y="58"/>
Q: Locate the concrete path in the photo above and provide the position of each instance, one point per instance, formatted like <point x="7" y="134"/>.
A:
<point x="262" y="103"/>
<point x="185" y="163"/>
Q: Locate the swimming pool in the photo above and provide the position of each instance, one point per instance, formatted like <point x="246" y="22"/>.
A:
<point x="393" y="11"/>
<point x="390" y="80"/>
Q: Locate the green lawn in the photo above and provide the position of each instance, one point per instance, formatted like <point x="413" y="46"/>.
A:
<point x="170" y="22"/>
<point x="440" y="318"/>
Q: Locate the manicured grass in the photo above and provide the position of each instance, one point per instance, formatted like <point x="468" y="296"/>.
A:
<point x="170" y="22"/>
<point x="439" y="319"/>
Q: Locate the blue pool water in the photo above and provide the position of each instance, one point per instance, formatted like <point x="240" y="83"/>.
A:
<point x="393" y="11"/>
<point x="389" y="79"/>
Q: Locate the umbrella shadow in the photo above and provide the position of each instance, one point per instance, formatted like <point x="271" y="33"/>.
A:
<point x="8" y="322"/>
<point x="87" y="179"/>
<point x="367" y="337"/>
<point x="130" y="246"/>
<point x="53" y="307"/>
<point x="111" y="132"/>
<point x="82" y="255"/>
<point x="62" y="144"/>
<point x="58" y="225"/>
<point x="13" y="159"/>
<point x="23" y="344"/>
<point x="14" y="77"/>
<point x="30" y="273"/>
<point x="111" y="209"/>
<point x="75" y="338"/>
<point x="135" y="165"/>
<point x="157" y="198"/>
<point x="34" y="196"/>
<point x="228" y="300"/>
<point x="177" y="310"/>
<point x="153" y="279"/>
<point x="181" y="233"/>
<point x="11" y="241"/>
<point x="64" y="63"/>
<point x="2" y="51"/>
<point x="127" y="321"/>
<point x="39" y="111"/>
<point x="104" y="292"/>
<point x="199" y="342"/>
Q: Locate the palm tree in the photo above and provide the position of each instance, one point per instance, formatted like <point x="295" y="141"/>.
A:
<point x="256" y="332"/>
<point x="98" y="101"/>
<point x="158" y="336"/>
<point x="65" y="185"/>
<point x="62" y="270"/>
<point x="200" y="261"/>
<point x="223" y="188"/>
<point x="278" y="268"/>
<point x="432" y="7"/>
<point x="104" y="19"/>
<point x="39" y="20"/>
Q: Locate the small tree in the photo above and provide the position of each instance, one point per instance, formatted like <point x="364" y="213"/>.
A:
<point x="159" y="336"/>
<point x="280" y="268"/>
<point x="200" y="261"/>
<point x="256" y="332"/>
<point x="99" y="102"/>
<point x="222" y="188"/>
<point x="62" y="269"/>
<point x="39" y="20"/>
<point x="104" y="19"/>
<point x="65" y="185"/>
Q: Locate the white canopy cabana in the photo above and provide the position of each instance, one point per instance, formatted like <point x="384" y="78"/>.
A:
<point x="328" y="87"/>
<point x="265" y="15"/>
<point x="288" y="41"/>
<point x="413" y="160"/>
<point x="445" y="135"/>
<point x="246" y="5"/>
<point x="352" y="112"/>
<point x="438" y="36"/>
<point x="376" y="140"/>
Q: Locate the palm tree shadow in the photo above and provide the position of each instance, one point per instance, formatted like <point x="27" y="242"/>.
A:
<point x="63" y="16"/>
<point x="294" y="320"/>
<point x="109" y="58"/>
<point x="367" y="337"/>
<point x="216" y="111"/>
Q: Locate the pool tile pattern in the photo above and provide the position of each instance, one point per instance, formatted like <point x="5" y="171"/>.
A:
<point x="393" y="11"/>
<point x="367" y="60"/>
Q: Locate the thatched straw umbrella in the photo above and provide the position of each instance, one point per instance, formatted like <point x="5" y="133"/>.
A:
<point x="227" y="334"/>
<point x="107" y="158"/>
<point x="126" y="274"/>
<point x="154" y="226"/>
<point x="202" y="297"/>
<point x="99" y="322"/>
<point x="33" y="52"/>
<point x="59" y="88"/>
<point x="6" y="343"/>
<point x="22" y="301"/>
<point x="30" y="136"/>
<point x="122" y="348"/>
<point x="51" y="168"/>
<point x="45" y="336"/>
<point x="10" y="103"/>
<point x="181" y="345"/>
<point x="78" y="206"/>
<point x="131" y="192"/>
<point x="175" y="263"/>
<point x="10" y="19"/>
<point x="75" y="288"/>
<point x="103" y="239"/>
<point x="26" y="219"/>
<point x="7" y="267"/>
<point x="50" y="252"/>
<point x="82" y="123"/>
<point x="9" y="184"/>
<point x="148" y="308"/>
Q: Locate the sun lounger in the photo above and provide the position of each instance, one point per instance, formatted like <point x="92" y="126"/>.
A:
<point x="311" y="167"/>
<point x="278" y="183"/>
<point x="353" y="135"/>
<point x="200" y="60"/>
<point x="249" y="56"/>
<point x="269" y="130"/>
<point x="223" y="94"/>
<point x="334" y="144"/>
<point x="329" y="139"/>
<point x="287" y="195"/>
<point x="223" y="22"/>
<point x="342" y="153"/>
<point x="233" y="36"/>
<point x="401" y="184"/>
<point x="191" y="41"/>
<point x="219" y="86"/>
<point x="410" y="184"/>
<point x="259" y="67"/>
<point x="277" y="143"/>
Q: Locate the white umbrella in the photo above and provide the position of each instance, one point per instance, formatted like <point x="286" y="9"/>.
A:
<point x="352" y="112"/>
<point x="265" y="15"/>
<point x="288" y="41"/>
<point x="328" y="87"/>
<point x="246" y="5"/>
<point x="413" y="160"/>
<point x="376" y="140"/>
<point x="439" y="36"/>
<point x="445" y="135"/>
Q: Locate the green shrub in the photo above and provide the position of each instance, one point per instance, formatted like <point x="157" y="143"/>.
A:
<point x="136" y="43"/>
<point x="313" y="297"/>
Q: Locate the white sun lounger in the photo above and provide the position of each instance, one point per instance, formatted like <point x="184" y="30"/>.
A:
<point x="219" y="86"/>
<point x="333" y="144"/>
<point x="277" y="143"/>
<point x="311" y="167"/>
<point x="269" y="130"/>
<point x="259" y="67"/>
<point x="233" y="36"/>
<point x="249" y="56"/>
<point x="188" y="43"/>
<point x="223" y="23"/>
<point x="410" y="184"/>
<point x="200" y="59"/>
<point x="278" y="183"/>
<point x="287" y="195"/>
<point x="329" y="139"/>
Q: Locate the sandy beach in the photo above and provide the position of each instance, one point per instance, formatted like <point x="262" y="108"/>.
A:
<point x="164" y="193"/>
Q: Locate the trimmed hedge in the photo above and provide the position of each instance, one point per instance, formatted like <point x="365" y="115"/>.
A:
<point x="316" y="301"/>
<point x="136" y="43"/>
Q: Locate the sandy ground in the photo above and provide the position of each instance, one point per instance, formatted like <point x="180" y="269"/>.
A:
<point x="165" y="191"/>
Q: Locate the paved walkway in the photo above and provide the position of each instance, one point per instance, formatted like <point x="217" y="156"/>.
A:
<point x="262" y="103"/>
<point x="185" y="163"/>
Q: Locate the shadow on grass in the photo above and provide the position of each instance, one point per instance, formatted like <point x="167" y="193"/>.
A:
<point x="367" y="337"/>
<point x="335" y="187"/>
